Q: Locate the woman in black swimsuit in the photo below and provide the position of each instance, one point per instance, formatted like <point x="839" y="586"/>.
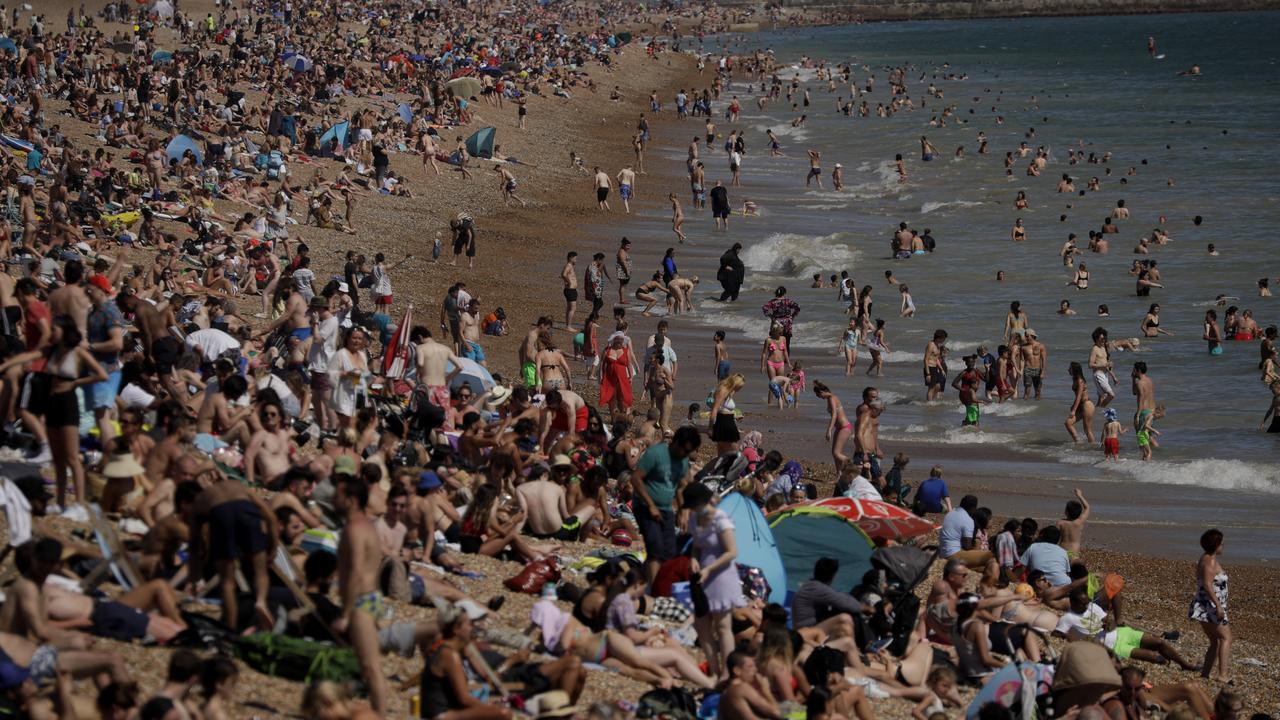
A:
<point x="444" y="689"/>
<point x="1151" y="323"/>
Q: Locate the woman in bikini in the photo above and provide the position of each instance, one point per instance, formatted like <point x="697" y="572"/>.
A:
<point x="774" y="361"/>
<point x="1016" y="321"/>
<point x="562" y="634"/>
<point x="1081" y="407"/>
<point x="1151" y="323"/>
<point x="839" y="429"/>
<point x="553" y="369"/>
<point x="677" y="217"/>
<point x="1019" y="233"/>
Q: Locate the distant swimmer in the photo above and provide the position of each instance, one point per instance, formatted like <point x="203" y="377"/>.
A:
<point x="1193" y="70"/>
<point x="1151" y="47"/>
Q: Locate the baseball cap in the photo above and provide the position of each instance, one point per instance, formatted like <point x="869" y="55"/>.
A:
<point x="429" y="480"/>
<point x="102" y="283"/>
<point x="344" y="465"/>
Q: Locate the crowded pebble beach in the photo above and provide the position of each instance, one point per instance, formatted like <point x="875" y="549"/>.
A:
<point x="376" y="360"/>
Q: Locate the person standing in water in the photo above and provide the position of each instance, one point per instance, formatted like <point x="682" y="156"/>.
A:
<point x="1082" y="408"/>
<point x="1145" y="390"/>
<point x="935" y="365"/>
<point x="1212" y="332"/>
<point x="815" y="169"/>
<point x="677" y="217"/>
<point x="1103" y="371"/>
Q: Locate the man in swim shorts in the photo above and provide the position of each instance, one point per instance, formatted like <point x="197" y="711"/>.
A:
<point x="626" y="181"/>
<point x="1100" y="364"/>
<point x="241" y="529"/>
<point x="359" y="557"/>
<point x="603" y="183"/>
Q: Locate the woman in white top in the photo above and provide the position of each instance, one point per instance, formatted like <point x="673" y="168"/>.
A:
<point x="350" y="371"/>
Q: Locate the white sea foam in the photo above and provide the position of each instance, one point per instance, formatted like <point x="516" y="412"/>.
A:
<point x="1208" y="473"/>
<point x="800" y="256"/>
<point x="929" y="207"/>
<point x="956" y="436"/>
<point x="1008" y="409"/>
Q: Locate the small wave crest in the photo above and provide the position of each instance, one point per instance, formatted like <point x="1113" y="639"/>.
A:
<point x="1208" y="473"/>
<point x="800" y="256"/>
<point x="929" y="207"/>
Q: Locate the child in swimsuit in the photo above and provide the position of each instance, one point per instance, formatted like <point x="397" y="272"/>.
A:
<point x="1111" y="433"/>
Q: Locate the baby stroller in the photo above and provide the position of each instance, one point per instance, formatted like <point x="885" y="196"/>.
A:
<point x="721" y="475"/>
<point x="901" y="568"/>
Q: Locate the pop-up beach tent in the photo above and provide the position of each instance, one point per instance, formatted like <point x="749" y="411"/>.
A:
<point x="805" y="533"/>
<point x="480" y="144"/>
<point x="756" y="546"/>
<point x="338" y="131"/>
<point x="179" y="145"/>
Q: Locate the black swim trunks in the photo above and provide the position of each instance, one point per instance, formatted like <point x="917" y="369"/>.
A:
<point x="118" y="621"/>
<point x="235" y="531"/>
<point x="602" y="194"/>
<point x="936" y="378"/>
<point x="571" y="294"/>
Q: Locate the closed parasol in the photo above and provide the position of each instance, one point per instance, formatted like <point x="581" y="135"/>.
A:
<point x="879" y="520"/>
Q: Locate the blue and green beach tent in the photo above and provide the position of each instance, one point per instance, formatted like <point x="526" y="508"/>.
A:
<point x="805" y="533"/>
<point x="756" y="546"/>
<point x="480" y="144"/>
<point x="338" y="131"/>
<point x="179" y="145"/>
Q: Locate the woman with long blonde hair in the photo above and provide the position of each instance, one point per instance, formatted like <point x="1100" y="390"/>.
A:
<point x="723" y="425"/>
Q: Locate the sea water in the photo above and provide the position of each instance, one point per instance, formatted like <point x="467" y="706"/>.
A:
<point x="1081" y="83"/>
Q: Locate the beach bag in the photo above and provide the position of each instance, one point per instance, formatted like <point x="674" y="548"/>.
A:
<point x="297" y="659"/>
<point x="204" y="633"/>
<point x="534" y="575"/>
<point x="394" y="577"/>
<point x="675" y="703"/>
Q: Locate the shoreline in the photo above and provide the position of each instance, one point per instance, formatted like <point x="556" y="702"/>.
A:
<point x="928" y="11"/>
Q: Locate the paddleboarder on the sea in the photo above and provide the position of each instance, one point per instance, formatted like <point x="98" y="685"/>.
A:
<point x="1151" y="47"/>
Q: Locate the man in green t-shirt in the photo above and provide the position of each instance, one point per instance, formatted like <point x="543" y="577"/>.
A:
<point x="661" y="472"/>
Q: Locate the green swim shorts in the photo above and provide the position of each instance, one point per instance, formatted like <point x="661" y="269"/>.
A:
<point x="1144" y="438"/>
<point x="529" y="371"/>
<point x="971" y="414"/>
<point x="1127" y="640"/>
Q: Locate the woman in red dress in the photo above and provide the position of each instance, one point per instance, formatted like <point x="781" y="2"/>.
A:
<point x="615" y="378"/>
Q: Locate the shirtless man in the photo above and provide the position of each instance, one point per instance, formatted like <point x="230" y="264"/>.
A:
<point x="940" y="608"/>
<point x="507" y="182"/>
<point x="1103" y="371"/>
<point x="569" y="274"/>
<point x="866" y="432"/>
<point x="697" y="183"/>
<point x="294" y="319"/>
<point x="626" y="186"/>
<point x="528" y="352"/>
<point x="359" y="557"/>
<point x="603" y="183"/>
<point x="815" y="168"/>
<point x="71" y="299"/>
<point x="431" y="359"/>
<point x="1145" y="390"/>
<point x="1034" y="358"/>
<point x="267" y="456"/>
<point x="747" y="697"/>
<point x="217" y="416"/>
<point x="543" y="501"/>
<point x="563" y="412"/>
<point x="25" y="615"/>
<point x="172" y="455"/>
<point x="240" y="528"/>
<point x="160" y="546"/>
<point x="691" y="160"/>
<point x="935" y="365"/>
<point x="1072" y="524"/>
